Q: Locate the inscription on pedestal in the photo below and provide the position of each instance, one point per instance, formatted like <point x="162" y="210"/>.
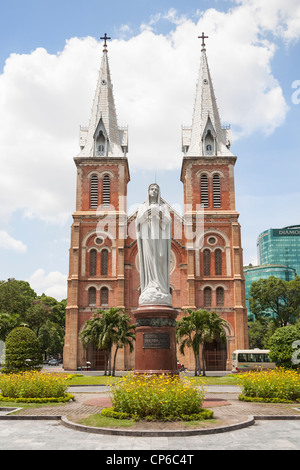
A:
<point x="156" y="341"/>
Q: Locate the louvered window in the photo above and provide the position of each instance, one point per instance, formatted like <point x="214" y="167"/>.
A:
<point x="94" y="192"/>
<point x="104" y="262"/>
<point x="218" y="262"/>
<point x="92" y="296"/>
<point x="204" y="190"/>
<point x="206" y="262"/>
<point x="106" y="191"/>
<point x="220" y="296"/>
<point x="104" y="296"/>
<point x="93" y="262"/>
<point x="217" y="191"/>
<point x="207" y="297"/>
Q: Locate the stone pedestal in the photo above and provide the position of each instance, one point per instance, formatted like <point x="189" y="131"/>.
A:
<point x="155" y="348"/>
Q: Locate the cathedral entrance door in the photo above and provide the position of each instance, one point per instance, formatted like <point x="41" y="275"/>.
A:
<point x="97" y="358"/>
<point x="215" y="356"/>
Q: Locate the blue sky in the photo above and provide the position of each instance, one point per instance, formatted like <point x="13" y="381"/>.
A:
<point x="49" y="59"/>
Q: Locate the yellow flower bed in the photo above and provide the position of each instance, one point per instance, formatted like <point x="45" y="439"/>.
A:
<point x="157" y="396"/>
<point x="278" y="384"/>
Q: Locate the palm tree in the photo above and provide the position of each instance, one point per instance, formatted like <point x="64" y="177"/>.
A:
<point x="190" y="334"/>
<point x="198" y="327"/>
<point x="124" y="336"/>
<point x="108" y="337"/>
<point x="91" y="333"/>
<point x="106" y="328"/>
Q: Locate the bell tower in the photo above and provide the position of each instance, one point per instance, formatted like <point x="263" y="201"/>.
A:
<point x="215" y="260"/>
<point x="96" y="259"/>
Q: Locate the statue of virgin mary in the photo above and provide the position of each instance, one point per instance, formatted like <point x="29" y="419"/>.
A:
<point x="154" y="231"/>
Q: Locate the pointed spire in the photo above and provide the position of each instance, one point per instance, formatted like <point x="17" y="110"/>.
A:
<point x="206" y="136"/>
<point x="103" y="136"/>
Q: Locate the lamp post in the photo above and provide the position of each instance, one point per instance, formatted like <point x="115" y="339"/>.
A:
<point x="10" y="279"/>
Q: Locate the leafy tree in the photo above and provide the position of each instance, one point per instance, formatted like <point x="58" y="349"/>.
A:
<point x="196" y="329"/>
<point x="22" y="350"/>
<point x="51" y="338"/>
<point x="20" y="306"/>
<point x="16" y="297"/>
<point x="57" y="310"/>
<point x="7" y="323"/>
<point x="281" y="346"/>
<point x="37" y="315"/>
<point x="260" y="332"/>
<point x="276" y="299"/>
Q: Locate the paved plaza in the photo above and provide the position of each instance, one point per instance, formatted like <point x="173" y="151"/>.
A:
<point x="51" y="435"/>
<point x="276" y="427"/>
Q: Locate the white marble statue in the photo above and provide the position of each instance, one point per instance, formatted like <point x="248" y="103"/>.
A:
<point x="154" y="230"/>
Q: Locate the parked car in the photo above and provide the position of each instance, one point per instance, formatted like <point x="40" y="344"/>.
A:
<point x="53" y="362"/>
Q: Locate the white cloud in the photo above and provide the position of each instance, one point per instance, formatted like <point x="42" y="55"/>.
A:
<point x="9" y="243"/>
<point x="53" y="284"/>
<point x="282" y="17"/>
<point x="45" y="97"/>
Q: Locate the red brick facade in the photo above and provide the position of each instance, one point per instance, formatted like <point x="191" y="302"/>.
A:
<point x="206" y="264"/>
<point x="218" y="239"/>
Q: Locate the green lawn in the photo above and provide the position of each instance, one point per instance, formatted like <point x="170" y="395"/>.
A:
<point x="92" y="379"/>
<point x="106" y="380"/>
<point x="99" y="421"/>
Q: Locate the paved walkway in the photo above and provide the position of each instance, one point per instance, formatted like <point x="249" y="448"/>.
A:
<point x="281" y="433"/>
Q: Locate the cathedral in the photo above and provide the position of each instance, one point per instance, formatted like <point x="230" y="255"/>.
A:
<point x="206" y="262"/>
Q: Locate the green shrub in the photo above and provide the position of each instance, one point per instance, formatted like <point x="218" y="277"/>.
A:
<point x="110" y="413"/>
<point x="281" y="346"/>
<point x="22" y="351"/>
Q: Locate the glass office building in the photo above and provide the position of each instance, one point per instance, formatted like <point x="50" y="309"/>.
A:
<point x="280" y="246"/>
<point x="254" y="273"/>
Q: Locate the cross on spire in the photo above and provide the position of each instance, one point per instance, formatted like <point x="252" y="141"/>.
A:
<point x="203" y="43"/>
<point x="105" y="38"/>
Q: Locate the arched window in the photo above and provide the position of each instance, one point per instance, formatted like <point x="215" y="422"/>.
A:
<point x="104" y="296"/>
<point x="92" y="296"/>
<point x="207" y="297"/>
<point x="106" y="190"/>
<point x="204" y="190"/>
<point x="104" y="262"/>
<point x="100" y="144"/>
<point x="94" y="192"/>
<point x="218" y="262"/>
<point x="216" y="191"/>
<point x="93" y="262"/>
<point x="220" y="296"/>
<point x="209" y="143"/>
<point x="206" y="262"/>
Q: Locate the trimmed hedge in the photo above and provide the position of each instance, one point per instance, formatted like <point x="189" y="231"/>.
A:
<point x="22" y="351"/>
<point x="67" y="397"/>
<point x="202" y="415"/>
<point x="263" y="400"/>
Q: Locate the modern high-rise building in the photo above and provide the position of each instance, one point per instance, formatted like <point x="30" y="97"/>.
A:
<point x="206" y="265"/>
<point x="254" y="273"/>
<point x="280" y="246"/>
